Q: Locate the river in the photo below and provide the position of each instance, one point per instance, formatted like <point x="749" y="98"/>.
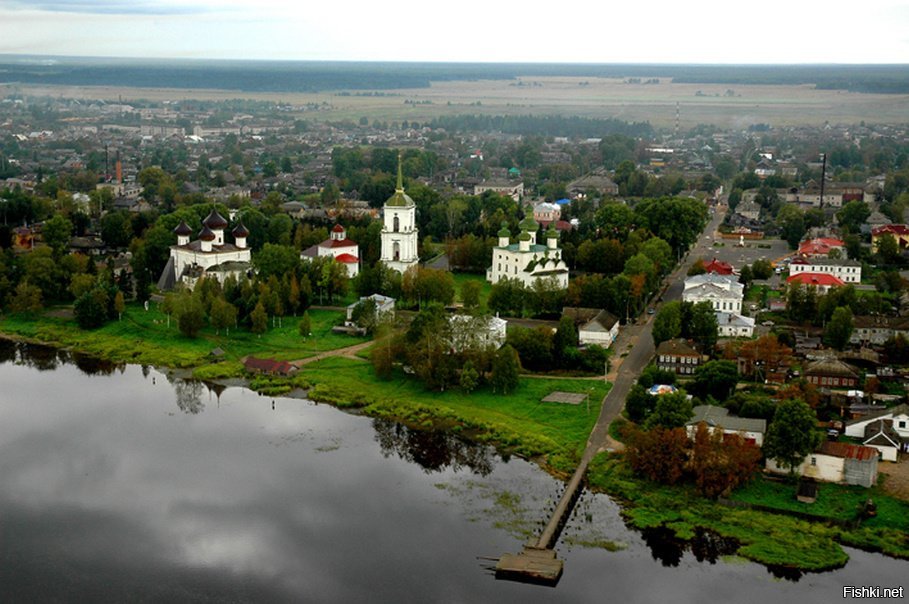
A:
<point x="120" y="484"/>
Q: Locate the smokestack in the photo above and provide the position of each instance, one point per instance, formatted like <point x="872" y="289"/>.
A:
<point x="119" y="168"/>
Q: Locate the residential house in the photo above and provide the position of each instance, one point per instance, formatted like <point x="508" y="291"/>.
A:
<point x="268" y="366"/>
<point x="597" y="181"/>
<point x="900" y="232"/>
<point x="472" y="333"/>
<point x="677" y="356"/>
<point x="385" y="306"/>
<point x="731" y="325"/>
<point x="823" y="282"/>
<point x="880" y="435"/>
<point x="545" y="213"/>
<point x="339" y="247"/>
<point x="752" y="430"/>
<point x="831" y="373"/>
<point x="837" y="462"/>
<point x="601" y="330"/>
<point x="515" y="190"/>
<point x="821" y="246"/>
<point x="898" y="416"/>
<point x="847" y="271"/>
<point x="724" y="292"/>
<point x="875" y="330"/>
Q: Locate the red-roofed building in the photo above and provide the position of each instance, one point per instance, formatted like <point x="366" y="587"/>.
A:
<point x="821" y="246"/>
<point x="268" y="366"/>
<point x="719" y="267"/>
<point x="821" y="281"/>
<point x="339" y="247"/>
<point x="900" y="232"/>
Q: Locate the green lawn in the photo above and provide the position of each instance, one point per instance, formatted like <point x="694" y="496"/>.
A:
<point x="518" y="422"/>
<point x="485" y="286"/>
<point x="145" y="337"/>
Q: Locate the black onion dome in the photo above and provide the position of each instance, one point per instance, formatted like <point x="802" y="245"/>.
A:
<point x="215" y="221"/>
<point x="240" y="231"/>
<point x="183" y="229"/>
<point x="206" y="234"/>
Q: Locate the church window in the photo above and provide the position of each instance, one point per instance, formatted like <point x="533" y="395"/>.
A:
<point x="396" y="224"/>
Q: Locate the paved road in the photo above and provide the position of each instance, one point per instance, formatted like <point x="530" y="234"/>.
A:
<point x="637" y="340"/>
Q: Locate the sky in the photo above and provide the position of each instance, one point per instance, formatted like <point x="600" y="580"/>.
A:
<point x="588" y="31"/>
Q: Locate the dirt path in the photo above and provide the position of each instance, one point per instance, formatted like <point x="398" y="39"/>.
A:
<point x="349" y="353"/>
<point x="897" y="482"/>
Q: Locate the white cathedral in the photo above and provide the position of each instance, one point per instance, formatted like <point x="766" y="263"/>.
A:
<point x="399" y="229"/>
<point x="528" y="261"/>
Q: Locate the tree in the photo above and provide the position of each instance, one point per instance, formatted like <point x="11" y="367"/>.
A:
<point x="119" y="304"/>
<point x="839" y="329"/>
<point x="505" y="369"/>
<point x="762" y="269"/>
<point x="470" y="294"/>
<point x="258" y="319"/>
<point x="659" y="454"/>
<point x="791" y="222"/>
<point x="716" y="378"/>
<point x="277" y="260"/>
<point x="721" y="462"/>
<point x="853" y="215"/>
<point x="90" y="310"/>
<point x="670" y="411"/>
<point x="57" y="232"/>
<point x="26" y="299"/>
<point x="223" y="315"/>
<point x="364" y="315"/>
<point x="700" y="324"/>
<point x="668" y="322"/>
<point x="639" y="403"/>
<point x="116" y="229"/>
<point x="190" y="315"/>
<point x="305" y="325"/>
<point x="888" y="249"/>
<point x="792" y="434"/>
<point x="469" y="378"/>
<point x="566" y="336"/>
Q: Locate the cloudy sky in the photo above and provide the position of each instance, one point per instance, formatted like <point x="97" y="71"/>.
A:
<point x="597" y="31"/>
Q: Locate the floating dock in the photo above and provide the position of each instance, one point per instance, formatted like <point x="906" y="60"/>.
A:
<point x="533" y="565"/>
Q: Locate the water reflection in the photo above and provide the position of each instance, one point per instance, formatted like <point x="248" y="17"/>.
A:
<point x="431" y="450"/>
<point x="189" y="395"/>
<point x="90" y="365"/>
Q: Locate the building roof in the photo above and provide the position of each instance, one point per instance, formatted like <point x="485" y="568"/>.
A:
<point x="714" y="415"/>
<point x="847" y="451"/>
<point x="347" y="258"/>
<point x="730" y="318"/>
<point x="824" y="261"/>
<point x="831" y="367"/>
<point x="817" y="279"/>
<point x="215" y="221"/>
<point x="267" y="365"/>
<point x="240" y="230"/>
<point x="719" y="267"/>
<point x="337" y="229"/>
<point x="677" y="348"/>
<point x="183" y="229"/>
<point x="604" y="321"/>
<point x="883" y="413"/>
<point x="206" y="234"/>
<point x="890" y="229"/>
<point x="880" y="432"/>
<point x="400" y="199"/>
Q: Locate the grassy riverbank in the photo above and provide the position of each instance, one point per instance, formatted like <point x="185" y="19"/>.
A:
<point x="519" y="423"/>
<point x="144" y="337"/>
<point x="772" y="535"/>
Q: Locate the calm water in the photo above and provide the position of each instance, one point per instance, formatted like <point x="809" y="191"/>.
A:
<point x="120" y="485"/>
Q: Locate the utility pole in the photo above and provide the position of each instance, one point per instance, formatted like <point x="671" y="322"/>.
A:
<point x="823" y="175"/>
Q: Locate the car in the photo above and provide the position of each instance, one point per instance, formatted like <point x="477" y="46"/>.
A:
<point x="768" y="323"/>
<point x="651" y="310"/>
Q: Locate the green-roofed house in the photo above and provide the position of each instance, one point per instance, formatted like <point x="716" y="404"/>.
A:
<point x="399" y="229"/>
<point x="527" y="260"/>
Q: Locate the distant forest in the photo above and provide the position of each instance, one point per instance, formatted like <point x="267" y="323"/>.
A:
<point x="317" y="76"/>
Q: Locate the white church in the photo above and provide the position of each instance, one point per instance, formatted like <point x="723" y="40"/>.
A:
<point x="528" y="261"/>
<point x="399" y="229"/>
<point x="209" y="255"/>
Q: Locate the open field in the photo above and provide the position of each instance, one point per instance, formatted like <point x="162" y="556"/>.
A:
<point x="582" y="96"/>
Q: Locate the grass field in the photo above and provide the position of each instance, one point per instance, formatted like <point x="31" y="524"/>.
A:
<point x="485" y="286"/>
<point x="145" y="337"/>
<point x="597" y="98"/>
<point x="517" y="422"/>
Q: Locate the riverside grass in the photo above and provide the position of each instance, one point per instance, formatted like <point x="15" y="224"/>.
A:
<point x="773" y="539"/>
<point x="144" y="337"/>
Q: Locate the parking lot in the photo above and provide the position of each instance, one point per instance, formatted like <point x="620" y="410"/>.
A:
<point x="729" y="251"/>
